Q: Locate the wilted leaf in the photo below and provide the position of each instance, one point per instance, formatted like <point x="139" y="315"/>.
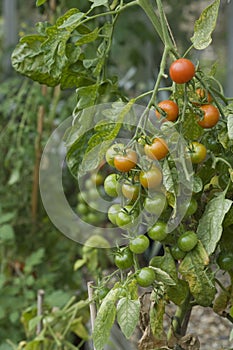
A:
<point x="200" y="279"/>
<point x="230" y="126"/>
<point x="205" y="25"/>
<point x="209" y="229"/>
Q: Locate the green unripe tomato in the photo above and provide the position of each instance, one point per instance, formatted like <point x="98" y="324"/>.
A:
<point x="158" y="232"/>
<point x="225" y="261"/>
<point x="125" y="217"/>
<point x="139" y="244"/>
<point x="156" y="204"/>
<point x="177" y="253"/>
<point x="187" y="241"/>
<point x="190" y="207"/>
<point x="113" y="212"/>
<point x="145" y="277"/>
<point x="111" y="185"/>
<point x="124" y="258"/>
<point x="82" y="208"/>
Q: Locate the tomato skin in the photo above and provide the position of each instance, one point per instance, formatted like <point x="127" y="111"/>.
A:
<point x="158" y="232"/>
<point x="177" y="253"/>
<point x="145" y="277"/>
<point x="210" y="118"/>
<point x="124" y="258"/>
<point x="150" y="178"/>
<point x="187" y="241"/>
<point x="190" y="207"/>
<point x="113" y="213"/>
<point x="204" y="95"/>
<point x="182" y="70"/>
<point x="111" y="185"/>
<point x="170" y="108"/>
<point x="126" y="161"/>
<point x="97" y="179"/>
<point x="112" y="151"/>
<point x="197" y="152"/>
<point x="130" y="190"/>
<point x="157" y="150"/>
<point x="125" y="217"/>
<point x="225" y="261"/>
<point x="156" y="204"/>
<point x="139" y="244"/>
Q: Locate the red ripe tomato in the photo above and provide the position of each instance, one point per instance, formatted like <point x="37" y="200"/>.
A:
<point x="157" y="150"/>
<point x="182" y="70"/>
<point x="126" y="161"/>
<point x="210" y="117"/>
<point x="170" y="108"/>
<point x="150" y="178"/>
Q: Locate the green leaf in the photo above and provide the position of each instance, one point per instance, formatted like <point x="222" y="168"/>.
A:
<point x="6" y="217"/>
<point x="87" y="38"/>
<point x="79" y="329"/>
<point x="128" y="312"/>
<point x="40" y="2"/>
<point x="57" y="298"/>
<point x="230" y="126"/>
<point x="86" y="96"/>
<point x="209" y="229"/>
<point x="7" y="234"/>
<point x="197" y="184"/>
<point x="176" y="289"/>
<point x="72" y="21"/>
<point x="105" y="319"/>
<point x="200" y="279"/>
<point x="79" y="263"/>
<point x="97" y="3"/>
<point x="163" y="276"/>
<point x="191" y="129"/>
<point x="205" y="25"/>
<point x="34" y="322"/>
<point x="34" y="259"/>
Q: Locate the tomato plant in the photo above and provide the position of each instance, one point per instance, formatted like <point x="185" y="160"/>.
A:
<point x="170" y="109"/>
<point x="157" y="150"/>
<point x="210" y="117"/>
<point x="123" y="258"/>
<point x="158" y="232"/>
<point x="126" y="161"/>
<point x="155" y="204"/>
<point x="150" y="178"/>
<point x="111" y="185"/>
<point x="182" y="70"/>
<point x="198" y="152"/>
<point x="187" y="241"/>
<point x="130" y="190"/>
<point x="145" y="277"/>
<point x="139" y="244"/>
<point x="149" y="182"/>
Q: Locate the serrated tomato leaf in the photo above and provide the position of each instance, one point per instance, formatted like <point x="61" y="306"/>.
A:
<point x="209" y="229"/>
<point x="195" y="271"/>
<point x="128" y="312"/>
<point x="205" y="25"/>
<point x="105" y="319"/>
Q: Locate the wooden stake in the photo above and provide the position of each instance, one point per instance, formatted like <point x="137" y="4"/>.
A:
<point x="40" y="299"/>
<point x="92" y="305"/>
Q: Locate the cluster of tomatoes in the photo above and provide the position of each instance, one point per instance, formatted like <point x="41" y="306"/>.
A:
<point x="136" y="183"/>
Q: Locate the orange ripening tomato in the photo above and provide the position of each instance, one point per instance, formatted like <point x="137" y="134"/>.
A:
<point x="157" y="150"/>
<point x="170" y="108"/>
<point x="182" y="70"/>
<point x="210" y="118"/>
<point x="151" y="178"/>
<point x="204" y="95"/>
<point x="126" y="161"/>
